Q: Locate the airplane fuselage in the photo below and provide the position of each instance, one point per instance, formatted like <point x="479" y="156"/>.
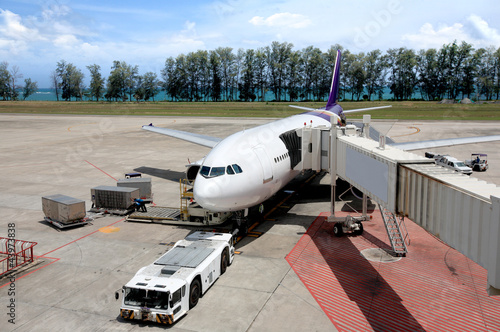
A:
<point x="250" y="166"/>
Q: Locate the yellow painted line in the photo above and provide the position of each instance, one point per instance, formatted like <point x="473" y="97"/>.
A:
<point x="109" y="229"/>
<point x="417" y="130"/>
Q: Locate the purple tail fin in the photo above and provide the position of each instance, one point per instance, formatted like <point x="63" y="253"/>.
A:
<point x="334" y="90"/>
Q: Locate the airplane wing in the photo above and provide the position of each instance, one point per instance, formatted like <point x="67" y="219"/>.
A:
<point x="344" y="111"/>
<point x="303" y="108"/>
<point x="199" y="139"/>
<point x="365" y="109"/>
<point x="444" y="142"/>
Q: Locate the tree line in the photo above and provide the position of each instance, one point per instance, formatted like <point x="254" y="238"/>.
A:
<point x="278" y="72"/>
<point x="10" y="88"/>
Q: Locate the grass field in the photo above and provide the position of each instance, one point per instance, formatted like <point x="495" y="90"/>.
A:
<point x="417" y="110"/>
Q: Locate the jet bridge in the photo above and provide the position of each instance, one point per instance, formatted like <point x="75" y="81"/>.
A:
<point x="462" y="211"/>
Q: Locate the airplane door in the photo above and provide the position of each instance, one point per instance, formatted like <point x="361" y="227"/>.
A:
<point x="267" y="168"/>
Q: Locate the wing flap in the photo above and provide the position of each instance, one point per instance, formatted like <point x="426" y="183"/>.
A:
<point x="199" y="139"/>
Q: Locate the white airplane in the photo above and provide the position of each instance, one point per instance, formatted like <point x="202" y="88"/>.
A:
<point x="248" y="167"/>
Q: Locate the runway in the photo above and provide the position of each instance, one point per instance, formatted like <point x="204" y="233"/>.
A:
<point x="77" y="271"/>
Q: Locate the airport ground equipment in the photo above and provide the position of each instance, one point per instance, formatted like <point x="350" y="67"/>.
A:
<point x="64" y="211"/>
<point x="14" y="253"/>
<point x="167" y="289"/>
<point x="189" y="214"/>
<point x="117" y="200"/>
<point x="478" y="162"/>
<point x="132" y="175"/>
<point x="143" y="184"/>
<point x="454" y="164"/>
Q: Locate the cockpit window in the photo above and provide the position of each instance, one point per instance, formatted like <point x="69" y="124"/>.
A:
<point x="237" y="169"/>
<point x="211" y="172"/>
<point x="205" y="170"/>
<point x="217" y="171"/>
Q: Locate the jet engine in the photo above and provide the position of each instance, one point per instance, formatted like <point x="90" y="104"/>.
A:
<point x="192" y="170"/>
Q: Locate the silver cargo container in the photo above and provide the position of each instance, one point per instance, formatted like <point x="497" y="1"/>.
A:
<point x="109" y="197"/>
<point x="63" y="208"/>
<point x="144" y="185"/>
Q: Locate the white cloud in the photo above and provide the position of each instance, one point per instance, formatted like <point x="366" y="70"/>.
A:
<point x="480" y="29"/>
<point x="289" y="20"/>
<point x="475" y="31"/>
<point x="12" y="28"/>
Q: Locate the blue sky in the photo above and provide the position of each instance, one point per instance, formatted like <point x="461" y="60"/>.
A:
<point x="35" y="35"/>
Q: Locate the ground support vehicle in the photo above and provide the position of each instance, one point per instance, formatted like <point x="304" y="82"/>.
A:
<point x="165" y="290"/>
<point x="478" y="162"/>
<point x="454" y="164"/>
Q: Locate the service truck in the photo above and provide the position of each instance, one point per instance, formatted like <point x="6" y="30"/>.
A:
<point x="165" y="290"/>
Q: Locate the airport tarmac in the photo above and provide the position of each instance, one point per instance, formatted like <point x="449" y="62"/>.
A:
<point x="77" y="271"/>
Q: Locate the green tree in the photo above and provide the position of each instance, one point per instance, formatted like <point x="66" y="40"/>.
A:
<point x="150" y="84"/>
<point x="226" y="58"/>
<point x="30" y="88"/>
<point x="260" y="65"/>
<point x="402" y="74"/>
<point x="278" y="56"/>
<point x="96" y="82"/>
<point x="121" y="81"/>
<point x="4" y="80"/>
<point x="312" y="63"/>
<point x="215" y="83"/>
<point x="15" y="74"/>
<point x="168" y="74"/>
<point x="247" y="86"/>
<point x="497" y="72"/>
<point x="70" y="80"/>
<point x="375" y="67"/>
<point x="486" y="72"/>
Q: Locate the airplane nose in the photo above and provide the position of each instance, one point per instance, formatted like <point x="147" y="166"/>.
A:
<point x="208" y="193"/>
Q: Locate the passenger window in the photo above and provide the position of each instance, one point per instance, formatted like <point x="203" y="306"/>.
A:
<point x="176" y="297"/>
<point x="205" y="170"/>
<point x="217" y="171"/>
<point x="237" y="169"/>
<point x="229" y="170"/>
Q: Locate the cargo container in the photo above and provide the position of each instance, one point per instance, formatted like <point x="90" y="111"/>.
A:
<point x="64" y="209"/>
<point x="108" y="197"/>
<point x="143" y="184"/>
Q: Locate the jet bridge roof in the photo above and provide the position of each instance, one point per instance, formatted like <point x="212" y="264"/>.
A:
<point x="464" y="183"/>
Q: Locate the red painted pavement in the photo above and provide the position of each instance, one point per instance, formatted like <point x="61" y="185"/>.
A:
<point x="433" y="288"/>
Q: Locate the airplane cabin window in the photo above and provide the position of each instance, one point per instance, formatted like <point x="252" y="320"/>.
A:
<point x="205" y="171"/>
<point x="237" y="169"/>
<point x="217" y="171"/>
<point x="229" y="170"/>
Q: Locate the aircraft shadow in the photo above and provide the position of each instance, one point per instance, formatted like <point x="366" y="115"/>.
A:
<point x="161" y="173"/>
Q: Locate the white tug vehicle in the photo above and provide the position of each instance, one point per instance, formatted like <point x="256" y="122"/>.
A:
<point x="165" y="290"/>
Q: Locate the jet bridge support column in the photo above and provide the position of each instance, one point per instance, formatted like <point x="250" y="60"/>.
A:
<point x="333" y="166"/>
<point x="349" y="223"/>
